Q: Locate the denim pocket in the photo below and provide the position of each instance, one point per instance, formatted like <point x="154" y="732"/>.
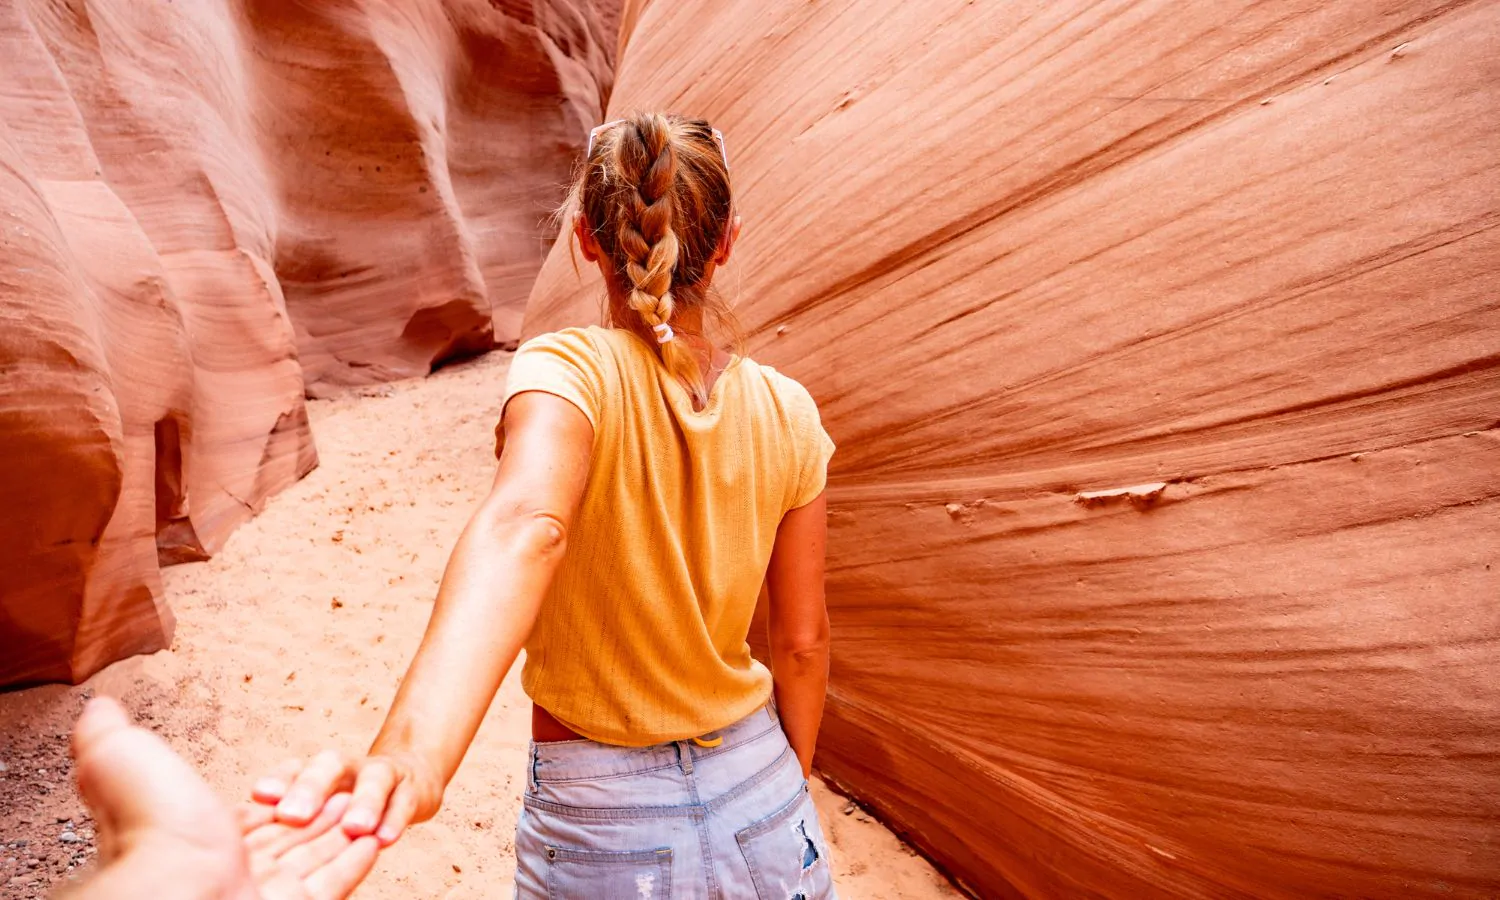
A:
<point x="607" y="874"/>
<point x="786" y="853"/>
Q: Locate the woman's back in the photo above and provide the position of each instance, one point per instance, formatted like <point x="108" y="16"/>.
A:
<point x="641" y="638"/>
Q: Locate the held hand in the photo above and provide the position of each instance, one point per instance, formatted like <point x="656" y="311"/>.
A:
<point x="164" y="833"/>
<point x="389" y="792"/>
<point x="316" y="861"/>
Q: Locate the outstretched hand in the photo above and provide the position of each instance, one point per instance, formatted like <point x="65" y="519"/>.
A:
<point x="389" y="792"/>
<point x="164" y="834"/>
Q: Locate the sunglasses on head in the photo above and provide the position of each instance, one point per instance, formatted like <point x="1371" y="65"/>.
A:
<point x="600" y="129"/>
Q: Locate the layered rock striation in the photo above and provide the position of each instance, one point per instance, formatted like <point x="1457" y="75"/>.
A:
<point x="212" y="209"/>
<point x="1162" y="347"/>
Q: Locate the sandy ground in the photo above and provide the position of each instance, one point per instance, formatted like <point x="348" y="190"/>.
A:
<point x="293" y="638"/>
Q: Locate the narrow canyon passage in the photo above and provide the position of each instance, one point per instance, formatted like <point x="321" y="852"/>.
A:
<point x="293" y="638"/>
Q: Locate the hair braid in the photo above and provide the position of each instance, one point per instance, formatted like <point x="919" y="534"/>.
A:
<point x="647" y="164"/>
<point x="654" y="193"/>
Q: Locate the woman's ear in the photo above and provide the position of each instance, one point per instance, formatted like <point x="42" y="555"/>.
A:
<point x="726" y="243"/>
<point x="586" y="240"/>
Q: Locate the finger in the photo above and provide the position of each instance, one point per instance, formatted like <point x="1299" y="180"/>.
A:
<point x="266" y="845"/>
<point x="275" y="884"/>
<point x="339" y="878"/>
<point x="305" y="859"/>
<point x="398" y="814"/>
<point x="132" y="780"/>
<point x="271" y="788"/>
<point x="271" y="841"/>
<point x="325" y="773"/>
<point x="100" y="718"/>
<point x="251" y="816"/>
<point x="372" y="792"/>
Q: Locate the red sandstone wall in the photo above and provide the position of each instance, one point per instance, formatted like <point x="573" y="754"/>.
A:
<point x="210" y="208"/>
<point x="1024" y="251"/>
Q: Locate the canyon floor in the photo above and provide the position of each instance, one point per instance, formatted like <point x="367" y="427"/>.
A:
<point x="293" y="637"/>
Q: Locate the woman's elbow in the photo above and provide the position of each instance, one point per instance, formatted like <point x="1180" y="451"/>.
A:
<point x="545" y="534"/>
<point x="528" y="534"/>
<point x="803" y="644"/>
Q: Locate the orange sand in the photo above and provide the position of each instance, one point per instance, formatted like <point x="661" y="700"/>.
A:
<point x="292" y="639"/>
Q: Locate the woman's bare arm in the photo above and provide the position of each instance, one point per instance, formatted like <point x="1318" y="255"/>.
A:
<point x="485" y="609"/>
<point x="798" y="625"/>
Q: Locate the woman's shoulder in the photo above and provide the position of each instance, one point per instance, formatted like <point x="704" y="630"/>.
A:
<point x="795" y="411"/>
<point x="789" y="393"/>
<point x="591" y="346"/>
<point x="586" y="337"/>
<point x="599" y="340"/>
<point x="772" y="375"/>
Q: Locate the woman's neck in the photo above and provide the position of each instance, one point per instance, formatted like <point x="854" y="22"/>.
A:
<point x="687" y="326"/>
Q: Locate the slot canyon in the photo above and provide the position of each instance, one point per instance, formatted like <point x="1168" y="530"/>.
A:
<point x="1160" y="343"/>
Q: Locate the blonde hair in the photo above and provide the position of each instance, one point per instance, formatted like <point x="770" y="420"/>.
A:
<point x="654" y="192"/>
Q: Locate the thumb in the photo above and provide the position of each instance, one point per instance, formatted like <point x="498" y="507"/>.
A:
<point x="133" y="781"/>
<point x="101" y="718"/>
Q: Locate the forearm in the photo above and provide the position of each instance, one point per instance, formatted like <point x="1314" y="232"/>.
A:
<point x="801" y="684"/>
<point x="798" y="627"/>
<point x="484" y="612"/>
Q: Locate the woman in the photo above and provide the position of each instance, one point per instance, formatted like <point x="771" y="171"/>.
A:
<point x="649" y="484"/>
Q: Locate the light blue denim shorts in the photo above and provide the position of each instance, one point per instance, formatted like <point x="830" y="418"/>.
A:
<point x="675" y="820"/>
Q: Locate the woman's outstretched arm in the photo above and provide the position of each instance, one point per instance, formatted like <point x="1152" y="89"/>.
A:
<point x="486" y="607"/>
<point x="798" y="625"/>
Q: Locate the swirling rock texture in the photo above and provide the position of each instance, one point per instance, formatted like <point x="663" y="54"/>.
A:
<point x="1162" y="345"/>
<point x="213" y="208"/>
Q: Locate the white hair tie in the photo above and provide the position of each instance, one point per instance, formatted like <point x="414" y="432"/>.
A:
<point x="664" y="332"/>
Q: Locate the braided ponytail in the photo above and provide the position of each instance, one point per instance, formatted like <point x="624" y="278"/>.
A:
<point x="654" y="194"/>
<point x="646" y="163"/>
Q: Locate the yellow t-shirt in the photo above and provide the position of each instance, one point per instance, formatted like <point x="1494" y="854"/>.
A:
<point x="641" y="638"/>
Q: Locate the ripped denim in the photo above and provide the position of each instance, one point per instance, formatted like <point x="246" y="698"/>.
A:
<point x="675" y="820"/>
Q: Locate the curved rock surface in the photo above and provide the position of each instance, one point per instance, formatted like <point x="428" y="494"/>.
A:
<point x="1162" y="346"/>
<point x="213" y="208"/>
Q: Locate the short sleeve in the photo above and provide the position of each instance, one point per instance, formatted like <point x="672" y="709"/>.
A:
<point x="814" y="449"/>
<point x="564" y="364"/>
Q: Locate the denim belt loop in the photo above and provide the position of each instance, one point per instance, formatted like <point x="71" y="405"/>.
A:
<point x="531" y="779"/>
<point x="684" y="756"/>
